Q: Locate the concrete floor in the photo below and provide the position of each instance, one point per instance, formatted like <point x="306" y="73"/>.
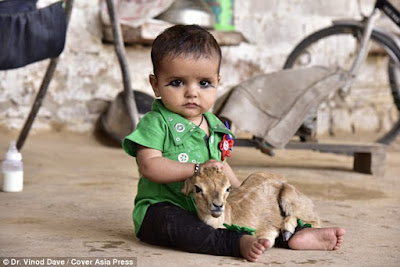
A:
<point x="78" y="196"/>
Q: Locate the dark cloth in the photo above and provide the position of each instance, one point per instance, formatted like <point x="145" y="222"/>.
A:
<point x="17" y="6"/>
<point x="170" y="226"/>
<point x="28" y="34"/>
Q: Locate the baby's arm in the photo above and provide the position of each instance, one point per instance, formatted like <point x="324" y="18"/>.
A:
<point x="231" y="175"/>
<point x="158" y="169"/>
<point x="226" y="168"/>
<point x="161" y="170"/>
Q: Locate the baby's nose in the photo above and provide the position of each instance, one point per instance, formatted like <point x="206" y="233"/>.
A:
<point x="191" y="90"/>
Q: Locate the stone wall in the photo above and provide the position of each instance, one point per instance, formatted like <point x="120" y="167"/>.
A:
<point x="88" y="75"/>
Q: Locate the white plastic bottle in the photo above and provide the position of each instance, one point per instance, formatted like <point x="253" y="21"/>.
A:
<point x="12" y="169"/>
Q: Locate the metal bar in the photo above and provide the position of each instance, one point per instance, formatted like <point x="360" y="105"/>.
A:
<point x="341" y="148"/>
<point x="120" y="51"/>
<point x="362" y="51"/>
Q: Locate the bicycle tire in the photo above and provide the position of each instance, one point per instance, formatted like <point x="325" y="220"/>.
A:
<point x="381" y="40"/>
<point x="394" y="78"/>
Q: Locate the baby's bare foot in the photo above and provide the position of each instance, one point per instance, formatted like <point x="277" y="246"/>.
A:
<point x="251" y="248"/>
<point x="317" y="239"/>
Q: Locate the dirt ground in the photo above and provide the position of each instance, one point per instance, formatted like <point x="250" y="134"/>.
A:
<point x="79" y="191"/>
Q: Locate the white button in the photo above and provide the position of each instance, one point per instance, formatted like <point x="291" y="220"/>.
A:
<point x="179" y="127"/>
<point x="183" y="157"/>
<point x="178" y="139"/>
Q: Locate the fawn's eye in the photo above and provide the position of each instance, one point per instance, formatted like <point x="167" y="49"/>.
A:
<point x="228" y="189"/>
<point x="198" y="189"/>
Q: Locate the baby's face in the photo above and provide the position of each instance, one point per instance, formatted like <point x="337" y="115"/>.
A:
<point x="187" y="86"/>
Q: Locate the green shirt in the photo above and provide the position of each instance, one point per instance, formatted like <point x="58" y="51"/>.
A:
<point x="178" y="139"/>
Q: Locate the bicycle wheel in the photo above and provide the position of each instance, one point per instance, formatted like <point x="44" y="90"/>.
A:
<point x="371" y="110"/>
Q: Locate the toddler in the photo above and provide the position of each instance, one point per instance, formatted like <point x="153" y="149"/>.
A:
<point x="180" y="134"/>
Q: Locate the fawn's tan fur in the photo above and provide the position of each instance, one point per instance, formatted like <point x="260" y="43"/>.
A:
<point x="264" y="201"/>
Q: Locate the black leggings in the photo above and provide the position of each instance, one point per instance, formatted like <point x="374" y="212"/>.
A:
<point x="170" y="226"/>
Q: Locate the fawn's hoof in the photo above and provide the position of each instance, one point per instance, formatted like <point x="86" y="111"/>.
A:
<point x="286" y="235"/>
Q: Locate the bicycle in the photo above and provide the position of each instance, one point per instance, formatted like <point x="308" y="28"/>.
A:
<point x="348" y="42"/>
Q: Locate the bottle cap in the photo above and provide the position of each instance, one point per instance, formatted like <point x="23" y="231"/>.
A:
<point x="12" y="153"/>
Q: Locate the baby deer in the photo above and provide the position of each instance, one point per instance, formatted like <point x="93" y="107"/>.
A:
<point x="264" y="201"/>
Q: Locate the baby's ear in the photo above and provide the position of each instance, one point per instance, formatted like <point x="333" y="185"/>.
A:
<point x="154" y="84"/>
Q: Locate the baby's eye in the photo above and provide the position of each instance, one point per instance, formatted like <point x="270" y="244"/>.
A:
<point x="205" y="84"/>
<point x="175" y="83"/>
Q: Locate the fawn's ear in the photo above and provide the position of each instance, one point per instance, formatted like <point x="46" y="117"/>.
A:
<point x="188" y="186"/>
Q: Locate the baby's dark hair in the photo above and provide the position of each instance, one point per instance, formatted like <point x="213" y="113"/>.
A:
<point x="184" y="40"/>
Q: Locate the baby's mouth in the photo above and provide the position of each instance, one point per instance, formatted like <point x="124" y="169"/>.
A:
<point x="191" y="105"/>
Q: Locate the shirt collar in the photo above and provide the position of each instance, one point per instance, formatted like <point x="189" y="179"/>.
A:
<point x="182" y="128"/>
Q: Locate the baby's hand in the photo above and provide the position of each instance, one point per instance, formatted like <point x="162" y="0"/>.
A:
<point x="213" y="163"/>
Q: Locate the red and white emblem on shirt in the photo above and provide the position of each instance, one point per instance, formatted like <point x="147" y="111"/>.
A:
<point x="225" y="146"/>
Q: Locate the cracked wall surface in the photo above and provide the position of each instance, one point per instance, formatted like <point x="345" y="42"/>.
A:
<point x="88" y="75"/>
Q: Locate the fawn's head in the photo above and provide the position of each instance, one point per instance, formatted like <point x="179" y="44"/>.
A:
<point x="210" y="188"/>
